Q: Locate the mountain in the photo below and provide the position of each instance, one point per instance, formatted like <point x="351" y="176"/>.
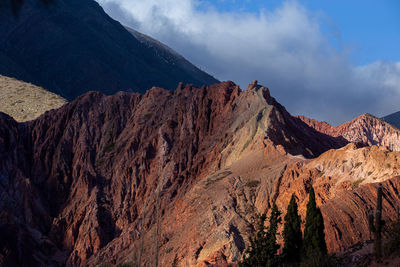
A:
<point x="365" y="129"/>
<point x="345" y="181"/>
<point x="90" y="169"/>
<point x="91" y="182"/>
<point x="73" y="46"/>
<point x="25" y="101"/>
<point x="393" y="119"/>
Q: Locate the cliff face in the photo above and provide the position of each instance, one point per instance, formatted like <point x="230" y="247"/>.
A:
<point x="365" y="129"/>
<point x="345" y="182"/>
<point x="81" y="184"/>
<point x="85" y="173"/>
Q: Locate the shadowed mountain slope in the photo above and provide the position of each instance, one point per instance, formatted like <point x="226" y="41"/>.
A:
<point x="393" y="119"/>
<point x="73" y="46"/>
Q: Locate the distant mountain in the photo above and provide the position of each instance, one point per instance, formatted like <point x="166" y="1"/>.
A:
<point x="365" y="129"/>
<point x="25" y="101"/>
<point x="393" y="119"/>
<point x="73" y="46"/>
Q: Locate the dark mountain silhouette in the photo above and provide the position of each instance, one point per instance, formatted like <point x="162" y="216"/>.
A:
<point x="73" y="46"/>
<point x="393" y="119"/>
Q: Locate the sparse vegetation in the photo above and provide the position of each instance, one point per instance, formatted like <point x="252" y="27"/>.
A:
<point x="292" y="235"/>
<point x="99" y="162"/>
<point x="24" y="101"/>
<point x="216" y="177"/>
<point x="314" y="246"/>
<point x="376" y="225"/>
<point x="392" y="244"/>
<point x="252" y="183"/>
<point x="369" y="173"/>
<point x="263" y="247"/>
<point x="310" y="251"/>
<point x="358" y="164"/>
<point x="388" y="165"/>
<point x="175" y="262"/>
<point x="127" y="264"/>
<point x="357" y="183"/>
<point x="109" y="146"/>
<point x="147" y="116"/>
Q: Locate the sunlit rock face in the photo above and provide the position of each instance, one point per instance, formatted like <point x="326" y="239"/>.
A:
<point x="365" y="129"/>
<point x="81" y="184"/>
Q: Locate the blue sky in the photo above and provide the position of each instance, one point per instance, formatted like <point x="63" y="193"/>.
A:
<point x="369" y="28"/>
<point x="331" y="60"/>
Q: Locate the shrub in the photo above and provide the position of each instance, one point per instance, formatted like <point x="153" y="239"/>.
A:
<point x="252" y="183"/>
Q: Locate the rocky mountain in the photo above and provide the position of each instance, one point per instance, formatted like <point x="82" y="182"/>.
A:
<point x="95" y="180"/>
<point x="25" y="101"/>
<point x="73" y="46"/>
<point x="393" y="119"/>
<point x="365" y="129"/>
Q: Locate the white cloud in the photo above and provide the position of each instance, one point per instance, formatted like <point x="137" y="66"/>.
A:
<point x="284" y="49"/>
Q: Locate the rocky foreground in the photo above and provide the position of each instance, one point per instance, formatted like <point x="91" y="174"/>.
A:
<point x="81" y="185"/>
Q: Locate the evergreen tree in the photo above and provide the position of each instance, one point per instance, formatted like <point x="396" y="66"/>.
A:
<point x="314" y="246"/>
<point x="292" y="235"/>
<point x="263" y="248"/>
<point x="175" y="262"/>
<point x="254" y="256"/>
<point x="272" y="247"/>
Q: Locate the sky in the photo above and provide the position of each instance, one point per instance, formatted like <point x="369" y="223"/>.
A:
<point x="330" y="60"/>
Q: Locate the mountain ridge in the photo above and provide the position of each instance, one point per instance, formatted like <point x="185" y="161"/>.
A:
<point x="102" y="54"/>
<point x="80" y="184"/>
<point x="365" y="129"/>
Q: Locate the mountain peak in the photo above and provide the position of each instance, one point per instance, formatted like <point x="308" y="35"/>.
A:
<point x="365" y="129"/>
<point x="102" y="54"/>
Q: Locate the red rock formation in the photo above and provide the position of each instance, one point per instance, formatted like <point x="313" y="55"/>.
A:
<point x="82" y="175"/>
<point x="345" y="182"/>
<point x="365" y="129"/>
<point x="76" y="182"/>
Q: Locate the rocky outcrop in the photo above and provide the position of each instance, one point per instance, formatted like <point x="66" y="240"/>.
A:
<point x="86" y="183"/>
<point x="345" y="182"/>
<point x="365" y="129"/>
<point x="92" y="168"/>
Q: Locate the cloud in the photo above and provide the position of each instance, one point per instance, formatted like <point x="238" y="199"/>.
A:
<point x="285" y="49"/>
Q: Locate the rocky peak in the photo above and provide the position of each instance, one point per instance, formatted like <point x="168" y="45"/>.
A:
<point x="365" y="129"/>
<point x="93" y="166"/>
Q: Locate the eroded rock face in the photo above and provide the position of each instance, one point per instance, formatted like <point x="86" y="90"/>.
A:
<point x="80" y="185"/>
<point x="82" y="176"/>
<point x="365" y="129"/>
<point x="345" y="182"/>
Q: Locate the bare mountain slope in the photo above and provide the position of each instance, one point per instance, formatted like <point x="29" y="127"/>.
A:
<point x="365" y="129"/>
<point x="25" y="101"/>
<point x="80" y="185"/>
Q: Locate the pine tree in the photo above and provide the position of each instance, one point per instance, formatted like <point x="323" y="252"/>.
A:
<point x="272" y="247"/>
<point x="292" y="235"/>
<point x="314" y="246"/>
<point x="253" y="256"/>
<point x="263" y="248"/>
